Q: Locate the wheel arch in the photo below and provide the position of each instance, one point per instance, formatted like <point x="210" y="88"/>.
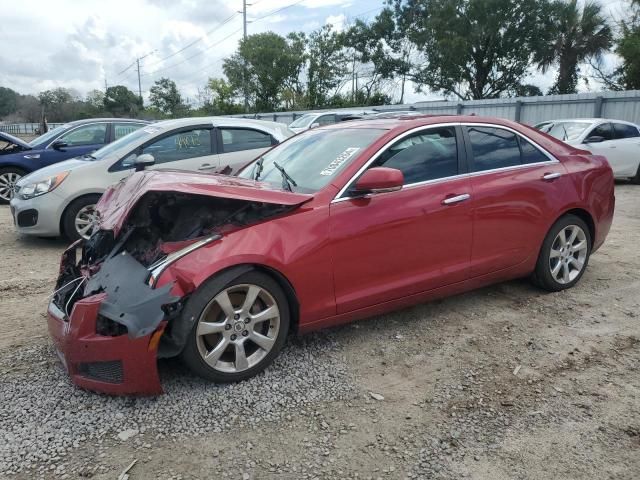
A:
<point x="17" y="166"/>
<point x="583" y="215"/>
<point x="69" y="203"/>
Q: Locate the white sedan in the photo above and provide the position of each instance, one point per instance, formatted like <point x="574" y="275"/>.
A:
<point x="617" y="140"/>
<point x="60" y="199"/>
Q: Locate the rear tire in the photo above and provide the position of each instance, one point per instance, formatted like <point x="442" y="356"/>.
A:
<point x="78" y="214"/>
<point x="564" y="254"/>
<point x="636" y="180"/>
<point x="239" y="329"/>
<point x="8" y="178"/>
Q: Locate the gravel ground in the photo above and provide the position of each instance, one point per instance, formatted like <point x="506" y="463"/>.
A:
<point x="505" y="382"/>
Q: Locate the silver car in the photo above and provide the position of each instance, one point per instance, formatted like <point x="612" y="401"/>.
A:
<point x="60" y="199"/>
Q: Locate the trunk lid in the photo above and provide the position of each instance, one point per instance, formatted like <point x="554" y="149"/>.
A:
<point x="119" y="200"/>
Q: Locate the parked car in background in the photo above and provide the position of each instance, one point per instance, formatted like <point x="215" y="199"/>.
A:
<point x="320" y="119"/>
<point x="617" y="140"/>
<point x="74" y="139"/>
<point x="60" y="199"/>
<point x="336" y="224"/>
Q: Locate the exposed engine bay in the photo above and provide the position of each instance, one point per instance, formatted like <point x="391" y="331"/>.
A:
<point x="160" y="225"/>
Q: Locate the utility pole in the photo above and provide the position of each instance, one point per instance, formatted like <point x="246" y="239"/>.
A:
<point x="139" y="83"/>
<point x="244" y="70"/>
<point x="105" y="84"/>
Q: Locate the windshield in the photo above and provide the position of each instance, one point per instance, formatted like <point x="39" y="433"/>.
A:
<point x="311" y="159"/>
<point x="137" y="136"/>
<point x="50" y="135"/>
<point x="565" y="131"/>
<point x="303" y="122"/>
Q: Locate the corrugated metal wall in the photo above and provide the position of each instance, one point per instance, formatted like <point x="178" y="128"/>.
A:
<point x="531" y="110"/>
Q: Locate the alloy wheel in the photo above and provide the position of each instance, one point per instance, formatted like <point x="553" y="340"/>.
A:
<point x="568" y="254"/>
<point x="8" y="185"/>
<point x="238" y="328"/>
<point x="85" y="221"/>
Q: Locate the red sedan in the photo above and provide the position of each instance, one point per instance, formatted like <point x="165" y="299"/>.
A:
<point x="336" y="224"/>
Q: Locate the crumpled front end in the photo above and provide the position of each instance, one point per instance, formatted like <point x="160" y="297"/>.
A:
<point x="112" y="315"/>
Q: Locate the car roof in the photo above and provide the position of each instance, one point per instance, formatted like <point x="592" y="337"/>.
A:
<point x="91" y="120"/>
<point x="589" y="120"/>
<point x="412" y="121"/>
<point x="219" y="122"/>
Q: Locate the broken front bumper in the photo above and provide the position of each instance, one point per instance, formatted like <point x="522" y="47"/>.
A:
<point x="117" y="365"/>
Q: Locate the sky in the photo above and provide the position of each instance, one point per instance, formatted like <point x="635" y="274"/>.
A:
<point x="81" y="44"/>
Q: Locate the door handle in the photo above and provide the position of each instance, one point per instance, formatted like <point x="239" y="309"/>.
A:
<point x="205" y="166"/>
<point x="456" y="199"/>
<point x="551" y="176"/>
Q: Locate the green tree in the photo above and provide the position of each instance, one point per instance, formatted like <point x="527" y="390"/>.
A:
<point x="8" y="101"/>
<point x="327" y="65"/>
<point x="473" y="49"/>
<point x="119" y="101"/>
<point x="582" y="33"/>
<point x="56" y="104"/>
<point x="219" y="98"/>
<point x="164" y="96"/>
<point x="266" y="62"/>
<point x="628" y="48"/>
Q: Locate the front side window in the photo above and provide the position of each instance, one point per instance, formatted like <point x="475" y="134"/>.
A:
<point x="326" y="120"/>
<point x="180" y="146"/>
<point x="122" y="129"/>
<point x="239" y="139"/>
<point x="426" y="155"/>
<point x="622" y="130"/>
<point x="493" y="148"/>
<point x="303" y="122"/>
<point x="94" y="134"/>
<point x="313" y="158"/>
<point x="603" y="131"/>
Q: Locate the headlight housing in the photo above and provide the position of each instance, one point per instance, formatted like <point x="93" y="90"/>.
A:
<point x="40" y="187"/>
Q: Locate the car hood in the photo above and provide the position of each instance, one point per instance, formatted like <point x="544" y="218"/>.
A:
<point x="119" y="200"/>
<point x="15" y="140"/>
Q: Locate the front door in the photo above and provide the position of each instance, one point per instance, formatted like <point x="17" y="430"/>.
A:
<point x="390" y="245"/>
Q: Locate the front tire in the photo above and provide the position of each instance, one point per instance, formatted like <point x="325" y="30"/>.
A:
<point x="78" y="220"/>
<point x="564" y="254"/>
<point x="636" y="180"/>
<point x="8" y="178"/>
<point x="239" y="330"/>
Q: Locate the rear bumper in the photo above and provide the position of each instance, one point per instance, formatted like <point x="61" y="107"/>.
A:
<point x="117" y="365"/>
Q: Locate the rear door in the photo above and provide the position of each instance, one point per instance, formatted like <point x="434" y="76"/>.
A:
<point x="601" y="141"/>
<point x="238" y="146"/>
<point x="514" y="186"/>
<point x="391" y="245"/>
<point x="627" y="146"/>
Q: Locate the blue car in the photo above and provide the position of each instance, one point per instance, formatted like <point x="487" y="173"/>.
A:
<point x="74" y="139"/>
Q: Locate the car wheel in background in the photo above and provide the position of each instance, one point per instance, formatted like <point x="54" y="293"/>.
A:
<point x="8" y="178"/>
<point x="79" y="218"/>
<point x="239" y="330"/>
<point x="564" y="254"/>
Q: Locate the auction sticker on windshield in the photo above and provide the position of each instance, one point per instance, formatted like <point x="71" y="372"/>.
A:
<point x="340" y="159"/>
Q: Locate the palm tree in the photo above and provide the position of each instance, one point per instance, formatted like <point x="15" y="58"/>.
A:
<point x="583" y="34"/>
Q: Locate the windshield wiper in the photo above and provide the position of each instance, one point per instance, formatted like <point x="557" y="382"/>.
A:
<point x="88" y="155"/>
<point x="287" y="181"/>
<point x="258" y="169"/>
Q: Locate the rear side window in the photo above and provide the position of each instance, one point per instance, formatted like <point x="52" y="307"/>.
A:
<point x="493" y="148"/>
<point x="326" y="120"/>
<point x="122" y="129"/>
<point x="605" y="131"/>
<point x="426" y="155"/>
<point x="530" y="154"/>
<point x="239" y="139"/>
<point x="622" y="130"/>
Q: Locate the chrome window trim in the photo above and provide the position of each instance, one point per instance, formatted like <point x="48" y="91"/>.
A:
<point x="552" y="160"/>
<point x="75" y="128"/>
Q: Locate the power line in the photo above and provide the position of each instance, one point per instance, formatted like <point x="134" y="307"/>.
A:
<point x="223" y="23"/>
<point x="276" y="11"/>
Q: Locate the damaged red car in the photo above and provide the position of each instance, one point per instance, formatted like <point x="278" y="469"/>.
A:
<point x="336" y="224"/>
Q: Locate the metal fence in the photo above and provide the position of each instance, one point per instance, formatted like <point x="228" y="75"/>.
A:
<point x="531" y="110"/>
<point x="24" y="128"/>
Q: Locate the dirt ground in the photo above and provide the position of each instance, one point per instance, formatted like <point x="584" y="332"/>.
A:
<point x="506" y="382"/>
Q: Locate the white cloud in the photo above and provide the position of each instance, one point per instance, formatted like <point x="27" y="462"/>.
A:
<point x="338" y="22"/>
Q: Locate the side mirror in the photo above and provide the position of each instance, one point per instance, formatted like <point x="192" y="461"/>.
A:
<point x="594" y="139"/>
<point x="59" y="145"/>
<point x="143" y="161"/>
<point x="380" y="180"/>
<point x="314" y="125"/>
